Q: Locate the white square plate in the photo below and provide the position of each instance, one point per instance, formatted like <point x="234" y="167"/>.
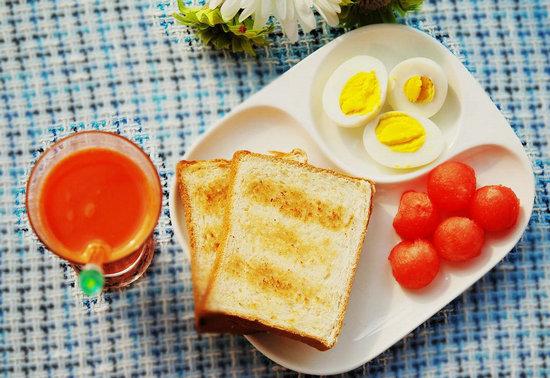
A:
<point x="287" y="114"/>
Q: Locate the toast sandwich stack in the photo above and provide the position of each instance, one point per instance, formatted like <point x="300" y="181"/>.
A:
<point x="203" y="186"/>
<point x="274" y="244"/>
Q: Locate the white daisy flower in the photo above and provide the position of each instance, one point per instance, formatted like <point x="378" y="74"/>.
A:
<point x="289" y="13"/>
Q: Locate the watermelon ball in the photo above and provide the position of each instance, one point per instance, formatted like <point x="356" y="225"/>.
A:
<point x="417" y="217"/>
<point x="458" y="239"/>
<point x="495" y="208"/>
<point x="451" y="186"/>
<point x="414" y="264"/>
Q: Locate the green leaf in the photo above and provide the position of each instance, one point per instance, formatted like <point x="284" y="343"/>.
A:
<point x="353" y="15"/>
<point x="179" y="18"/>
<point x="214" y="31"/>
<point x="181" y="6"/>
<point x="404" y="6"/>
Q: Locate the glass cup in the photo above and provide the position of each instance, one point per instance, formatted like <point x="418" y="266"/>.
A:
<point x="128" y="262"/>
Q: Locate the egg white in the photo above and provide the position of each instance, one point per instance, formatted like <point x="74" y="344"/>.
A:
<point x="337" y="81"/>
<point x="430" y="150"/>
<point x="411" y="67"/>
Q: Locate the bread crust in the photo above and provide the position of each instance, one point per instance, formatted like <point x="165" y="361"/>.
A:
<point x="307" y="166"/>
<point x="252" y="326"/>
<point x="191" y="227"/>
<point x="265" y="325"/>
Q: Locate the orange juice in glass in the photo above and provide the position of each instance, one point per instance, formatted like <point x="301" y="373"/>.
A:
<point x="94" y="199"/>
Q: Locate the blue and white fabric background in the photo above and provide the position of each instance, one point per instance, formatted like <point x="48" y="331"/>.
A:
<point x="70" y="65"/>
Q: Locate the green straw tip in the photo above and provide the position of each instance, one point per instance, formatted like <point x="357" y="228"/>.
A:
<point x="91" y="281"/>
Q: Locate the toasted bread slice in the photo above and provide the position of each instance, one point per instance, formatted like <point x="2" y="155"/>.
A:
<point x="203" y="188"/>
<point x="292" y="238"/>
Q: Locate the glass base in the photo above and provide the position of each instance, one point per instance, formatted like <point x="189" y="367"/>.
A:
<point x="121" y="273"/>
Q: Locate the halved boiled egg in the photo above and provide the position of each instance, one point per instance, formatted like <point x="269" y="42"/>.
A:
<point x="356" y="91"/>
<point x="417" y="85"/>
<point x="403" y="140"/>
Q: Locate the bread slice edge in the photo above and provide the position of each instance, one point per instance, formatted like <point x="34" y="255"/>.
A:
<point x="294" y="334"/>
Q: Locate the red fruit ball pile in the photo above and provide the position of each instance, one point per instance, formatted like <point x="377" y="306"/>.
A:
<point x="451" y="186"/>
<point x="495" y="208"/>
<point x="417" y="217"/>
<point x="414" y="263"/>
<point x="429" y="237"/>
<point x="458" y="239"/>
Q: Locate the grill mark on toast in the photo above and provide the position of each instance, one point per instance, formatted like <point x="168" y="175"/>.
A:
<point x="283" y="240"/>
<point x="211" y="239"/>
<point x="211" y="196"/>
<point x="276" y="281"/>
<point x="298" y="204"/>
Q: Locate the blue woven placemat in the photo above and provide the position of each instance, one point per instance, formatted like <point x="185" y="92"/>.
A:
<point x="122" y="65"/>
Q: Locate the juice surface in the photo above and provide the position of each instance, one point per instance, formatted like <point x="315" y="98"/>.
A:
<point x="94" y="194"/>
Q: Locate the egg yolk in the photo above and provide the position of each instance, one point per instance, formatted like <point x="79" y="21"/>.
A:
<point x="361" y="94"/>
<point x="419" y="89"/>
<point x="400" y="132"/>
